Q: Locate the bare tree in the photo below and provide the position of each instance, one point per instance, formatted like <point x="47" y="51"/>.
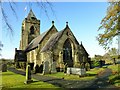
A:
<point x="42" y="5"/>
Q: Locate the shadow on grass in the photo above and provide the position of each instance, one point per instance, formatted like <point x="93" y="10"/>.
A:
<point x="16" y="71"/>
<point x="88" y="74"/>
<point x="34" y="81"/>
<point x="117" y="77"/>
<point x="52" y="80"/>
<point x="6" y="74"/>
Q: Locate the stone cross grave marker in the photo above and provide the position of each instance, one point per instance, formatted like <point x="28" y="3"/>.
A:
<point x="46" y="67"/>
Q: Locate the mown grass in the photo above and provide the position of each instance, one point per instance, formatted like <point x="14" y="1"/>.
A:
<point x="115" y="77"/>
<point x="114" y="67"/>
<point x="70" y="77"/>
<point x="12" y="80"/>
<point x="89" y="75"/>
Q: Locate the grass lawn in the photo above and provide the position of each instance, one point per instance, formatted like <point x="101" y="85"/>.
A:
<point x="12" y="80"/>
<point x="115" y="77"/>
<point x="89" y="75"/>
<point x="114" y="67"/>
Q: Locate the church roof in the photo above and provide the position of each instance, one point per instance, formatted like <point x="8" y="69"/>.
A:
<point x="31" y="15"/>
<point x="52" y="41"/>
<point x="34" y="43"/>
<point x="81" y="45"/>
<point x="54" y="38"/>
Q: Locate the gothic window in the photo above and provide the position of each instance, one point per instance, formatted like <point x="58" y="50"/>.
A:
<point x="32" y="30"/>
<point x="67" y="53"/>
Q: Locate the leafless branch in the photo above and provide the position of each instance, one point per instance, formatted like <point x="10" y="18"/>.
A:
<point x="5" y="18"/>
<point x="13" y="9"/>
<point x="44" y="5"/>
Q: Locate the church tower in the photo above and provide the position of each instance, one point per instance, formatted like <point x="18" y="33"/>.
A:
<point x="30" y="30"/>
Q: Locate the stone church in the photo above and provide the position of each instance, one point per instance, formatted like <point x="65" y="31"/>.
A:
<point x="56" y="46"/>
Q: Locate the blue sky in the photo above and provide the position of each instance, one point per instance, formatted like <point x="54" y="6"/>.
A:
<point x="83" y="18"/>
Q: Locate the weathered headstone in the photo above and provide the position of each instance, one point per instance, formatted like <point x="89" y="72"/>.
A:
<point x="87" y="66"/>
<point x="1" y="67"/>
<point x="77" y="71"/>
<point x="53" y="68"/>
<point x="4" y="67"/>
<point x="37" y="68"/>
<point x="41" y="68"/>
<point x="68" y="70"/>
<point x="65" y="68"/>
<point x="28" y="75"/>
<point x="46" y="67"/>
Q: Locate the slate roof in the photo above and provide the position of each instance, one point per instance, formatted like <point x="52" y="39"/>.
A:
<point x="52" y="41"/>
<point x="81" y="45"/>
<point x="34" y="43"/>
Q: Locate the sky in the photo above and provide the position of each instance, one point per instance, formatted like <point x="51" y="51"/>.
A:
<point x="83" y="19"/>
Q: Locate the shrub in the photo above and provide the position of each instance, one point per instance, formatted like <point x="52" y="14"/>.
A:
<point x="96" y="64"/>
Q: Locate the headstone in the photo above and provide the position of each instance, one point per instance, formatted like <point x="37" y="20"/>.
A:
<point x="53" y="68"/>
<point x="87" y="66"/>
<point x="37" y="68"/>
<point x="0" y="67"/>
<point x="68" y="70"/>
<point x="46" y="67"/>
<point x="41" y="68"/>
<point x="4" y="67"/>
<point x="65" y="68"/>
<point x="114" y="61"/>
<point x="28" y="75"/>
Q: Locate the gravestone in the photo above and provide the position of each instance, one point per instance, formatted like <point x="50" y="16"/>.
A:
<point x="68" y="70"/>
<point x="0" y="67"/>
<point x="46" y="67"/>
<point x="4" y="67"/>
<point x="53" y="68"/>
<point x="28" y="75"/>
<point x="65" y="68"/>
<point x="87" y="66"/>
<point x="41" y="68"/>
<point x="37" y="69"/>
<point x="77" y="71"/>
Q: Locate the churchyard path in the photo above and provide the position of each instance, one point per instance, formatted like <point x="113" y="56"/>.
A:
<point x="101" y="81"/>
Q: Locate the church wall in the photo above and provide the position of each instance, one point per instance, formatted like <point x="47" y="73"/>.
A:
<point x="47" y="56"/>
<point x="31" y="56"/>
<point x="46" y="38"/>
<point x="58" y="50"/>
<point x="39" y="57"/>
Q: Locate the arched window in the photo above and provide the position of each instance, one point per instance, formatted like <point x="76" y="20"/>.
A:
<point x="67" y="53"/>
<point x="32" y="30"/>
